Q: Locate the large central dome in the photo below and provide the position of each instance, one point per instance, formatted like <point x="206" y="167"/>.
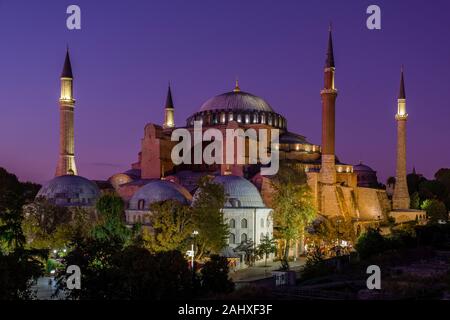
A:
<point x="239" y="106"/>
<point x="237" y="101"/>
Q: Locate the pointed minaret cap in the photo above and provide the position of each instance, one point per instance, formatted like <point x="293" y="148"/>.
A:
<point x="236" y="86"/>
<point x="67" y="69"/>
<point x="169" y="100"/>
<point x="402" y="94"/>
<point x="330" y="54"/>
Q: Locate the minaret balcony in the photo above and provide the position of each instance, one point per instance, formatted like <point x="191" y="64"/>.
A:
<point x="328" y="91"/>
<point x="401" y="117"/>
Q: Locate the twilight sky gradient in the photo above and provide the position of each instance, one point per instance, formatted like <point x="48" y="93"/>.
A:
<point x="127" y="51"/>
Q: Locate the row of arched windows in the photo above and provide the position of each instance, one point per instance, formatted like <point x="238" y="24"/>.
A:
<point x="244" y="223"/>
<point x="223" y="117"/>
<point x="232" y="239"/>
<point x="232" y="223"/>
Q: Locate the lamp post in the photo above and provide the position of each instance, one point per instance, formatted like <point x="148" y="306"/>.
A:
<point x="194" y="234"/>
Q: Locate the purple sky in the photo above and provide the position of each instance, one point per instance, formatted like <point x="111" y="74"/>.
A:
<point x="127" y="51"/>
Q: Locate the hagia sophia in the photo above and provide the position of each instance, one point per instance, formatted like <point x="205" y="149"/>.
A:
<point x="338" y="188"/>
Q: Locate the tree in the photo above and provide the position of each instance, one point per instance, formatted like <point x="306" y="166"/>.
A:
<point x="18" y="266"/>
<point x="215" y="276"/>
<point x="207" y="218"/>
<point x="18" y="269"/>
<point x="443" y="176"/>
<point x="111" y="218"/>
<point x="46" y="225"/>
<point x="391" y="181"/>
<point x="248" y="247"/>
<point x="432" y="189"/>
<point x="436" y="210"/>
<point x="171" y="227"/>
<point x="415" y="201"/>
<point x="293" y="208"/>
<point x="371" y="243"/>
<point x="11" y="201"/>
<point x="328" y="231"/>
<point x="111" y="271"/>
<point x="413" y="181"/>
<point x="267" y="245"/>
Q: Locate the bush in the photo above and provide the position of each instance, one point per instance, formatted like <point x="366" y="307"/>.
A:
<point x="371" y="243"/>
<point x="215" y="276"/>
<point x="315" y="266"/>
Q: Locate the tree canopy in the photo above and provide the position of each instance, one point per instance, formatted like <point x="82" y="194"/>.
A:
<point x="293" y="207"/>
<point x="207" y="217"/>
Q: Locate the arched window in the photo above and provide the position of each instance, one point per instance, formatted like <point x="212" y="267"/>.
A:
<point x="232" y="224"/>
<point x="263" y="118"/>
<point x="232" y="239"/>
<point x="262" y="222"/>
<point x="141" y="204"/>
<point x="243" y="237"/>
<point x="244" y="223"/>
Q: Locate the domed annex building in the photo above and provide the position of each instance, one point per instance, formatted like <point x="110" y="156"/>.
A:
<point x="70" y="191"/>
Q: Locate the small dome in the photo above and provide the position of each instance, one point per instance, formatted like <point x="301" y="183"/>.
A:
<point x="238" y="101"/>
<point x="158" y="190"/>
<point x="70" y="190"/>
<point x="240" y="192"/>
<point x="362" y="168"/>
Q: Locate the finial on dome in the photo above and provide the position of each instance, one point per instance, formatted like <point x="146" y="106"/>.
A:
<point x="236" y="86"/>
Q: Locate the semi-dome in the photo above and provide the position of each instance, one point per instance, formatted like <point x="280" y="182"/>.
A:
<point x="239" y="192"/>
<point x="237" y="101"/>
<point x="70" y="190"/>
<point x="158" y="190"/>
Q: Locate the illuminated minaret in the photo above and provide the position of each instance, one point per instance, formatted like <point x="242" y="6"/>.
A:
<point x="169" y="121"/>
<point x="329" y="94"/>
<point x="66" y="161"/>
<point x="401" y="195"/>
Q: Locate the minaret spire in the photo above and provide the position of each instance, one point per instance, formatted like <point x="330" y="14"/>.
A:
<point x="401" y="198"/>
<point x="329" y="94"/>
<point x="169" y="100"/>
<point x="402" y="94"/>
<point x="169" y="121"/>
<point x="66" y="162"/>
<point x="67" y="69"/>
<point x="329" y="63"/>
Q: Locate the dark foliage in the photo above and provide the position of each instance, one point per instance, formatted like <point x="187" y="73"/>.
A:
<point x="215" y="276"/>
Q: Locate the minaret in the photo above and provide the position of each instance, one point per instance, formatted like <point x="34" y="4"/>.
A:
<point x="401" y="195"/>
<point x="329" y="94"/>
<point x="169" y="121"/>
<point x="66" y="161"/>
